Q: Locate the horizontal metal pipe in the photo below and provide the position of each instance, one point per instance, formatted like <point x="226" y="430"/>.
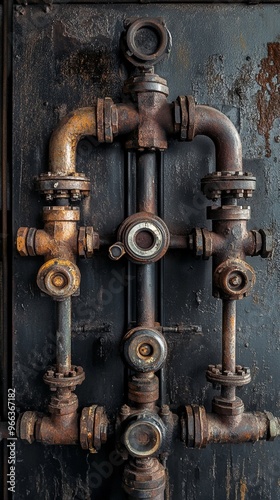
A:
<point x="215" y="125"/>
<point x="63" y="336"/>
<point x="248" y="427"/>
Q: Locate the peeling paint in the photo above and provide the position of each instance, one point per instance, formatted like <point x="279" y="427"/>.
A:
<point x="268" y="98"/>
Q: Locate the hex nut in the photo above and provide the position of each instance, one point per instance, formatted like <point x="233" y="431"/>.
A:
<point x="267" y="243"/>
<point x="21" y="241"/>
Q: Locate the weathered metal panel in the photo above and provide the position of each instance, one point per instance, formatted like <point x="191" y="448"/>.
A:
<point x="227" y="56"/>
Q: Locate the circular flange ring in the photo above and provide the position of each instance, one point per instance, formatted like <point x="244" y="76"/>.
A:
<point x="58" y="380"/>
<point x="145" y="237"/>
<point x="144" y="349"/>
<point x="146" y="41"/>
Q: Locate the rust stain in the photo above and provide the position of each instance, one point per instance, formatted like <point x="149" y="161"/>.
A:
<point x="242" y="42"/>
<point x="243" y="489"/>
<point x="228" y="480"/>
<point x="268" y="98"/>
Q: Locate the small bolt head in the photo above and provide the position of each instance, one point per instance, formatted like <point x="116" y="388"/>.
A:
<point x="125" y="410"/>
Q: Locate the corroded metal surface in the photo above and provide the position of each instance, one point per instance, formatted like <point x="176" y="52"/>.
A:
<point x="231" y="86"/>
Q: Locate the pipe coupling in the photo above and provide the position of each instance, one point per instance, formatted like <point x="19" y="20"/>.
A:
<point x="144" y="479"/>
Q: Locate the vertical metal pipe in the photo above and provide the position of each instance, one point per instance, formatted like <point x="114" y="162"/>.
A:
<point x="146" y="295"/>
<point x="161" y="315"/>
<point x="229" y="344"/>
<point x="146" y="182"/>
<point x="63" y="336"/>
<point x="146" y="201"/>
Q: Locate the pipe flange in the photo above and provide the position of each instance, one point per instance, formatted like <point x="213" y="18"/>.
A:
<point x="57" y="380"/>
<point x="228" y="212"/>
<point x="194" y="427"/>
<point x="222" y="406"/>
<point x="146" y="41"/>
<point x="25" y="426"/>
<point x="216" y="376"/>
<point x="93" y="428"/>
<point x="184" y="117"/>
<point x="143" y="434"/>
<point x="59" y="278"/>
<point x="273" y="426"/>
<point x="145" y="237"/>
<point x="233" y="279"/>
<point x="233" y="184"/>
<point x="144" y="349"/>
<point x="53" y="186"/>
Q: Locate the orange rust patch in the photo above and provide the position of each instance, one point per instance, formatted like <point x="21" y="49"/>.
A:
<point x="268" y="98"/>
<point x="243" y="489"/>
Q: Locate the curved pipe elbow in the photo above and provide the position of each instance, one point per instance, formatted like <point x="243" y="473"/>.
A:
<point x="120" y="118"/>
<point x="219" y="128"/>
<point x="65" y="138"/>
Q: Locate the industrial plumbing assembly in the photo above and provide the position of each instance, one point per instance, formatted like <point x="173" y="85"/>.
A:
<point x="145" y="431"/>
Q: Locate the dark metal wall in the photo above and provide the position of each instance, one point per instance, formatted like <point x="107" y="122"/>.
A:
<point x="227" y="56"/>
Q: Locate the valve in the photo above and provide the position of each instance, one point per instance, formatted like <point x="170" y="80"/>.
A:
<point x="144" y="349"/>
<point x="59" y="278"/>
<point x="233" y="279"/>
<point x="143" y="435"/>
<point x="143" y="237"/>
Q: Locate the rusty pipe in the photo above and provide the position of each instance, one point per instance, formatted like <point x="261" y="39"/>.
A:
<point x="65" y="138"/>
<point x="63" y="336"/>
<point x="58" y="429"/>
<point x="228" y="344"/>
<point x="118" y="119"/>
<point x="215" y="125"/>
<point x="199" y="428"/>
<point x="146" y="201"/>
<point x="249" y="427"/>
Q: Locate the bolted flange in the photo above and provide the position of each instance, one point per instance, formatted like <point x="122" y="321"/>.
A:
<point x="93" y="428"/>
<point x="216" y="376"/>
